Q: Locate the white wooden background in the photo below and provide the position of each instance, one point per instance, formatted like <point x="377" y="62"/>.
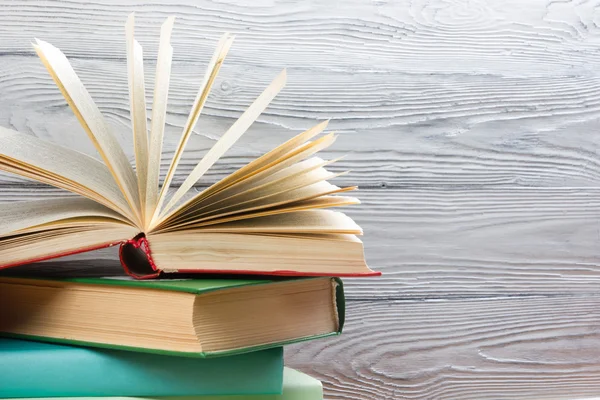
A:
<point x="473" y="128"/>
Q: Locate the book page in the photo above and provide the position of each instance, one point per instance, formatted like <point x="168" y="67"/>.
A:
<point x="27" y="214"/>
<point x="266" y="160"/>
<point x="93" y="122"/>
<point x="61" y="167"/>
<point x="277" y="201"/>
<point x="299" y="175"/>
<point x="159" y="113"/>
<point x="209" y="78"/>
<point x="248" y="182"/>
<point x="336" y="237"/>
<point x="303" y="205"/>
<point x="311" y="221"/>
<point x="137" y="107"/>
<point x="229" y="138"/>
<point x="58" y="242"/>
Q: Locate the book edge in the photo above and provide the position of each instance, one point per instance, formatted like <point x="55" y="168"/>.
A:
<point x="62" y="254"/>
<point x="139" y="247"/>
<point x="339" y="303"/>
<point x="216" y="354"/>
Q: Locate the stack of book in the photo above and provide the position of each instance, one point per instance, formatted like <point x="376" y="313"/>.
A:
<point x="218" y="280"/>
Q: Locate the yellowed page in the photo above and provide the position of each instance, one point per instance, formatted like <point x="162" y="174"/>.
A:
<point x="137" y="107"/>
<point x="299" y="175"/>
<point x="26" y="214"/>
<point x="159" y="112"/>
<point x="302" y="205"/>
<point x="266" y="160"/>
<point x="229" y="138"/>
<point x="91" y="119"/>
<point x="311" y="221"/>
<point x="53" y="243"/>
<point x="278" y="200"/>
<point x="61" y="167"/>
<point x="336" y="237"/>
<point x="249" y="182"/>
<point x="209" y="78"/>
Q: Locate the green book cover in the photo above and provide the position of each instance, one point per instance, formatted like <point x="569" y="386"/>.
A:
<point x="36" y="369"/>
<point x="197" y="287"/>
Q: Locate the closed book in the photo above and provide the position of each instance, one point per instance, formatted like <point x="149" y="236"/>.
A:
<point x="189" y="317"/>
<point x="35" y="369"/>
<point x="296" y="386"/>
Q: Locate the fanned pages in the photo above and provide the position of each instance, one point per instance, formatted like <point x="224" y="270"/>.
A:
<point x="229" y="138"/>
<point x="91" y="119"/>
<point x="159" y="113"/>
<point x="59" y="166"/>
<point x="207" y="82"/>
<point x="269" y="217"/>
<point x="137" y="104"/>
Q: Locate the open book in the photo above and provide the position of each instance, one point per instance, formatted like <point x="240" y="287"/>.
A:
<point x="268" y="217"/>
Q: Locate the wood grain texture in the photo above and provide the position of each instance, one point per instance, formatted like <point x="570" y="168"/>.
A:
<point x="490" y="93"/>
<point x="501" y="348"/>
<point x="473" y="131"/>
<point x="524" y="152"/>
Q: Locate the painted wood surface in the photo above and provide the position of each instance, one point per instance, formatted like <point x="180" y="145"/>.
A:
<point x="500" y="348"/>
<point x="471" y="127"/>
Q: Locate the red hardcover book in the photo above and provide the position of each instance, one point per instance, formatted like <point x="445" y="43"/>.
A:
<point x="269" y="217"/>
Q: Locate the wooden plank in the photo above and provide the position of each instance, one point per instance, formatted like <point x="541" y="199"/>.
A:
<point x="455" y="243"/>
<point x="503" y="348"/>
<point x="421" y="100"/>
<point x="495" y="35"/>
<point x="396" y="148"/>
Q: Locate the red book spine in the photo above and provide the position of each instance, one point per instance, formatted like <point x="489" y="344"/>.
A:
<point x="136" y="258"/>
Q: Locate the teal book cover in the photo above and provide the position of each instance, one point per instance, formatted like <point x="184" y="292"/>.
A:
<point x="36" y="369"/>
<point x="296" y="386"/>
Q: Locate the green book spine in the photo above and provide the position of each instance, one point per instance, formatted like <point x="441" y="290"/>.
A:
<point x="33" y="369"/>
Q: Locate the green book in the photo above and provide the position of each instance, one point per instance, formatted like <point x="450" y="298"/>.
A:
<point x="189" y="317"/>
<point x="296" y="386"/>
<point x="37" y="369"/>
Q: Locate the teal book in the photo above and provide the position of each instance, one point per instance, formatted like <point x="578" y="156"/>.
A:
<point x="199" y="318"/>
<point x="35" y="369"/>
<point x="296" y="386"/>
